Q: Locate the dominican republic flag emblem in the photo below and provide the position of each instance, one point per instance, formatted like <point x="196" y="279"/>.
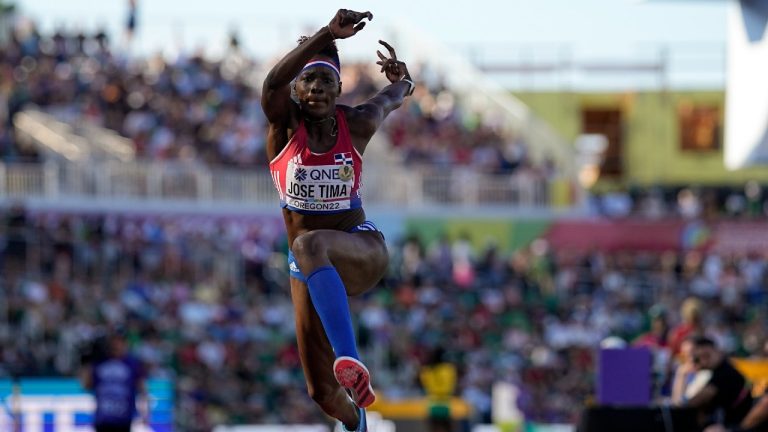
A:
<point x="342" y="158"/>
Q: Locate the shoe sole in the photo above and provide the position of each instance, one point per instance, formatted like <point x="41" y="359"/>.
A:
<point x="354" y="376"/>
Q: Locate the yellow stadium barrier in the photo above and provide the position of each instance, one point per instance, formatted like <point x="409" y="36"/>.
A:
<point x="415" y="409"/>
<point x="756" y="371"/>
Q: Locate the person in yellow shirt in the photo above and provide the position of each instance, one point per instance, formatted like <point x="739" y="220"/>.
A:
<point x="438" y="378"/>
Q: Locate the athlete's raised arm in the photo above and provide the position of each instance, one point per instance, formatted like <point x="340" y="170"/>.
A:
<point x="276" y="93"/>
<point x="369" y="115"/>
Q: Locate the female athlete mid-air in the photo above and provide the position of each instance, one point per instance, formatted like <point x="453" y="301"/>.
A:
<point x="315" y="147"/>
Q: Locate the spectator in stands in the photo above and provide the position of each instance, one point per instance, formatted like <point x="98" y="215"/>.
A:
<point x="757" y="418"/>
<point x="755" y="421"/>
<point x="117" y="380"/>
<point x="658" y="336"/>
<point x="438" y="378"/>
<point x="688" y="204"/>
<point x="691" y="313"/>
<point x="130" y="22"/>
<point x="688" y="380"/>
<point x="727" y="393"/>
<point x="657" y="340"/>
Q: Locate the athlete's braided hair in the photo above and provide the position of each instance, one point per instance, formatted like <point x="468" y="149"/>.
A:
<point x="329" y="50"/>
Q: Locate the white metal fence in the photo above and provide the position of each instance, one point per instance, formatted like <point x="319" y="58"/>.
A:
<point x="156" y="181"/>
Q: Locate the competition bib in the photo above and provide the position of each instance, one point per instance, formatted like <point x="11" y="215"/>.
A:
<point x="321" y="187"/>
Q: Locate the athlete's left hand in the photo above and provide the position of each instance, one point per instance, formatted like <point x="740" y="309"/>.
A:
<point x="394" y="69"/>
<point x="347" y="23"/>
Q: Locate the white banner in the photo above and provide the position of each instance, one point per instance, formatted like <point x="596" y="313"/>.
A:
<point x="746" y="117"/>
<point x="376" y="423"/>
<point x="272" y="428"/>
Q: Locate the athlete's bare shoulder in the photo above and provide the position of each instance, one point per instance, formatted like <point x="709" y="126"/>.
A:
<point x="355" y="113"/>
<point x="278" y="135"/>
<point x="362" y="123"/>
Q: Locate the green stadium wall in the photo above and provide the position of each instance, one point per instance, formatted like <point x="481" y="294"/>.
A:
<point x="506" y="234"/>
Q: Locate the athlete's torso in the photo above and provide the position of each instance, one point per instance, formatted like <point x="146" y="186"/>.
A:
<point x="319" y="190"/>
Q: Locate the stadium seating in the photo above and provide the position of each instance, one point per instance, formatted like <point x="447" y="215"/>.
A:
<point x="216" y="320"/>
<point x="197" y="109"/>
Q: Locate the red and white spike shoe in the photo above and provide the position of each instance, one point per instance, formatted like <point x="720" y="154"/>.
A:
<point x="354" y="376"/>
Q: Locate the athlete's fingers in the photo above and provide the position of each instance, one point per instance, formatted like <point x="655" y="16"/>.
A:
<point x="390" y="49"/>
<point x="342" y="17"/>
<point x="359" y="26"/>
<point x="381" y="56"/>
<point x="359" y="16"/>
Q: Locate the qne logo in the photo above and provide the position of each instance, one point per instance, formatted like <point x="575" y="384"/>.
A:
<point x="300" y="174"/>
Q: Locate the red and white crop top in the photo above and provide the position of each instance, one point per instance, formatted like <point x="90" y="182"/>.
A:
<point x="319" y="183"/>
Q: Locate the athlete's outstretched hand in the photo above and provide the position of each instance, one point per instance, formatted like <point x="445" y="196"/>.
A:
<point x="347" y="23"/>
<point x="394" y="69"/>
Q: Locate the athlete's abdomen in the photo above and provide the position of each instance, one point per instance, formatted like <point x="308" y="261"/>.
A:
<point x="297" y="223"/>
<point x="319" y="183"/>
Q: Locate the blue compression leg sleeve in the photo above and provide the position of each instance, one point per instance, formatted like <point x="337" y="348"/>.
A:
<point x="330" y="300"/>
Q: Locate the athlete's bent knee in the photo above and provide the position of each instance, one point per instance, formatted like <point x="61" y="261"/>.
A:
<point x="308" y="245"/>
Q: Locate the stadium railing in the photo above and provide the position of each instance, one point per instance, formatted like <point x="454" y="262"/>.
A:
<point x="405" y="187"/>
<point x="67" y="136"/>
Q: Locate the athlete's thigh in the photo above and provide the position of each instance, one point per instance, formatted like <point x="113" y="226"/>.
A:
<point x="315" y="350"/>
<point x="360" y="258"/>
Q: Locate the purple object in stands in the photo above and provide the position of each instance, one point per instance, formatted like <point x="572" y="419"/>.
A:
<point x="624" y="377"/>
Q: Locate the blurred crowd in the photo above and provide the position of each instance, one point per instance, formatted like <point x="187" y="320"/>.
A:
<point x="205" y="302"/>
<point x="189" y="109"/>
<point x="193" y="108"/>
<point x="747" y="201"/>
